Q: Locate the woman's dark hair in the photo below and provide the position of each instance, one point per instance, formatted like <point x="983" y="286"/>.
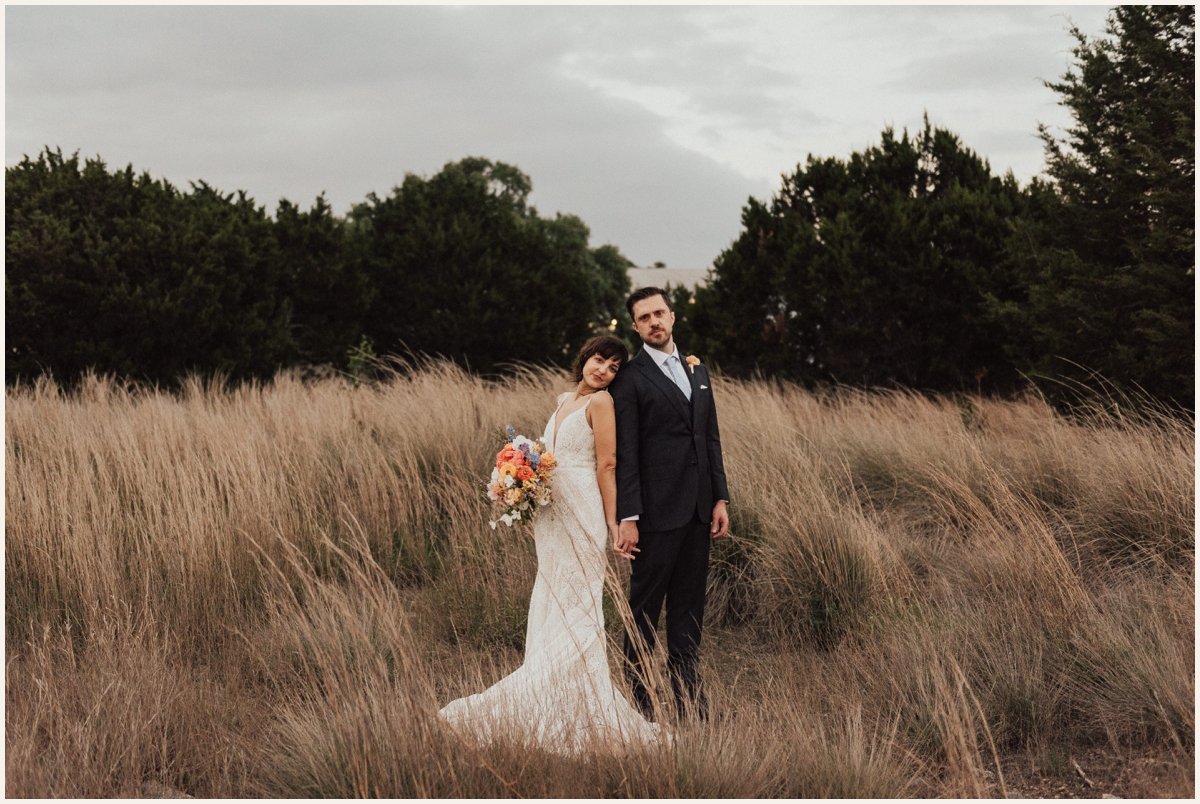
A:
<point x="606" y="346"/>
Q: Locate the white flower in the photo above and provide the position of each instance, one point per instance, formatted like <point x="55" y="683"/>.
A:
<point x="493" y="524"/>
<point x="495" y="474"/>
<point x="516" y="516"/>
<point x="506" y="519"/>
<point x="509" y="482"/>
<point x="521" y="440"/>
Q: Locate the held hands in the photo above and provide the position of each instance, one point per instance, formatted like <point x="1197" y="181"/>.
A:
<point x="625" y="534"/>
<point x="720" y="521"/>
<point x="625" y="539"/>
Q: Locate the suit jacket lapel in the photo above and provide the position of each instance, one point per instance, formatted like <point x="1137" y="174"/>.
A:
<point x="660" y="381"/>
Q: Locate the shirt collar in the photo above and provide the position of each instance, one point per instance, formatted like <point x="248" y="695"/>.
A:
<point x="658" y="356"/>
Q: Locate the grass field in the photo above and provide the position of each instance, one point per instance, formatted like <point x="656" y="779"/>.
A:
<point x="269" y="591"/>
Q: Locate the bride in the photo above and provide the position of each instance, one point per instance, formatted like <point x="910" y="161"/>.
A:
<point x="562" y="698"/>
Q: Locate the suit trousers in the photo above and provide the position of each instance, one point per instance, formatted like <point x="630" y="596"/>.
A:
<point x="671" y="565"/>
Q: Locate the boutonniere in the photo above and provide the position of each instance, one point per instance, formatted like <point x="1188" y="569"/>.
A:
<point x="692" y="362"/>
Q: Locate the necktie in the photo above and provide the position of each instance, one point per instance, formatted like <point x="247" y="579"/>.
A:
<point x="675" y="369"/>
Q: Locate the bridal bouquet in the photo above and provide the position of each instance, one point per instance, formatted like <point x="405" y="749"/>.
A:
<point x="520" y="481"/>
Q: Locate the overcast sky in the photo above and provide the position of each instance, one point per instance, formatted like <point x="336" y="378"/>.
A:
<point x="653" y="124"/>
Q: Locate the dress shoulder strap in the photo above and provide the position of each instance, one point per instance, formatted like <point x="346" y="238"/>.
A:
<point x="559" y="402"/>
<point x="592" y="397"/>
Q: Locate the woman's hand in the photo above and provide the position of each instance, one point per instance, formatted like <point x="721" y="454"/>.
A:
<point x="625" y="543"/>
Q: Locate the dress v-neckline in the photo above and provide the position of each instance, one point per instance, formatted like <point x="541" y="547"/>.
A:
<point x="559" y="424"/>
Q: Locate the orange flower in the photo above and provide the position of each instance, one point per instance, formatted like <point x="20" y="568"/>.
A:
<point x="547" y="460"/>
<point x="524" y="473"/>
<point x="507" y="470"/>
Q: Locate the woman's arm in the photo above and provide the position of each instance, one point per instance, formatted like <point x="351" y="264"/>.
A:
<point x="603" y="420"/>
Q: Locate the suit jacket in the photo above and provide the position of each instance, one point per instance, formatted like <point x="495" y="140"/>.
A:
<point x="668" y="450"/>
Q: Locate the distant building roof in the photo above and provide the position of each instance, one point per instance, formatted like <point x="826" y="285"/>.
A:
<point x="659" y="277"/>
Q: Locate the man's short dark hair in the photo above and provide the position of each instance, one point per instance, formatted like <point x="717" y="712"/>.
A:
<point x="645" y="293"/>
<point x="607" y="346"/>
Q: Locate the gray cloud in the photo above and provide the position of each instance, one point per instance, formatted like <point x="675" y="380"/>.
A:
<point x="653" y="124"/>
<point x="1011" y="62"/>
<point x="347" y="101"/>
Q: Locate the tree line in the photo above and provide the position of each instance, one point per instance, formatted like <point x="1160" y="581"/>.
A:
<point x="910" y="264"/>
<point x="123" y="273"/>
<point x="906" y="264"/>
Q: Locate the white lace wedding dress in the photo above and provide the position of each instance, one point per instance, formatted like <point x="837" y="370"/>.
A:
<point x="562" y="698"/>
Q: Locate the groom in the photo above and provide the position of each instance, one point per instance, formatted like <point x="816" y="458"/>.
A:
<point x="671" y="494"/>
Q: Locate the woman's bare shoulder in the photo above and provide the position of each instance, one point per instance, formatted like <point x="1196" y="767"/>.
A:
<point x="602" y="398"/>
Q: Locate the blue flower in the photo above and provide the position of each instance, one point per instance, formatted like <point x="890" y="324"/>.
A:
<point x="510" y="431"/>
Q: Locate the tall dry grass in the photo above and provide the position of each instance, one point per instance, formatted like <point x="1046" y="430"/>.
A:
<point x="269" y="590"/>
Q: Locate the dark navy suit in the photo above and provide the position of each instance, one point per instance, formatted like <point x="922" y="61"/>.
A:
<point x="669" y="474"/>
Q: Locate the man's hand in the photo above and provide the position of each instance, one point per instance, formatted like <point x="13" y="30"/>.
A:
<point x="627" y="539"/>
<point x="720" y="520"/>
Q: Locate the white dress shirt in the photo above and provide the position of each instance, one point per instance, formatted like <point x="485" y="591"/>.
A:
<point x="672" y="366"/>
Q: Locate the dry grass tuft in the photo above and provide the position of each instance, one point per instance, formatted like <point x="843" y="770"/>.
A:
<point x="269" y="590"/>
